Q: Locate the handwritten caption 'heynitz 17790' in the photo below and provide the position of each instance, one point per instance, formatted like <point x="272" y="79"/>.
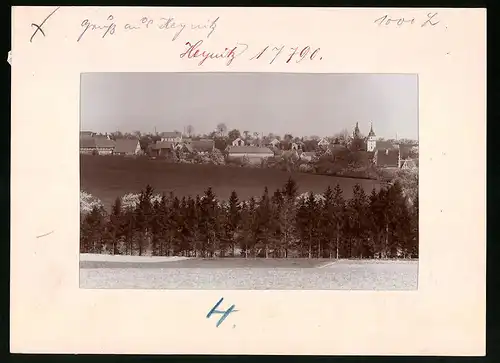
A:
<point x="192" y="50"/>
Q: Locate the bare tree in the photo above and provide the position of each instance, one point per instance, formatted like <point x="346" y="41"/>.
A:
<point x="343" y="136"/>
<point x="190" y="130"/>
<point x="221" y="129"/>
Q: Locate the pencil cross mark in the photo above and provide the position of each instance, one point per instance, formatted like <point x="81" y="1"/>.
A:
<point x="38" y="28"/>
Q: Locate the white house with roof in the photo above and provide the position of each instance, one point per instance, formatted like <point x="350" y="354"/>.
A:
<point x="275" y="143"/>
<point x="238" y="142"/>
<point x="127" y="147"/>
<point x="323" y="142"/>
<point x="254" y="154"/>
<point x="171" y="136"/>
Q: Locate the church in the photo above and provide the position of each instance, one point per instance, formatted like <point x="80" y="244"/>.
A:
<point x="386" y="154"/>
<point x="370" y="143"/>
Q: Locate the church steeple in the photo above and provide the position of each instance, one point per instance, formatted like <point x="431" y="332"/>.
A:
<point x="371" y="133"/>
<point x="356" y="131"/>
<point x="371" y="143"/>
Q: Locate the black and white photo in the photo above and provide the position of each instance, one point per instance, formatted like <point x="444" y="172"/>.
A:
<point x="249" y="181"/>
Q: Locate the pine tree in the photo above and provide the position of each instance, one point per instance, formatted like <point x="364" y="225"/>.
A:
<point x="277" y="202"/>
<point x="198" y="240"/>
<point x="263" y="228"/>
<point x="357" y="209"/>
<point x="162" y="225"/>
<point x="143" y="214"/>
<point x="232" y="220"/>
<point x="247" y="227"/>
<point x="376" y="221"/>
<point x="184" y="233"/>
<point x="208" y="223"/>
<point x="306" y="224"/>
<point x="174" y="226"/>
<point x="156" y="228"/>
<point x="326" y="224"/>
<point x="302" y="225"/>
<point x="290" y="189"/>
<point x="191" y="226"/>
<point x="414" y="228"/>
<point x="396" y="218"/>
<point x="287" y="215"/>
<point x="339" y="218"/>
<point x="128" y="228"/>
<point x="114" y="226"/>
<point x="92" y="231"/>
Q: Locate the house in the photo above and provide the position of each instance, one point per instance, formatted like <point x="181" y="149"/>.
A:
<point x="265" y="141"/>
<point x="105" y="136"/>
<point x="307" y="156"/>
<point x="96" y="146"/>
<point x="384" y="145"/>
<point x="324" y="142"/>
<point x="87" y="134"/>
<point x="388" y="158"/>
<point x="203" y="146"/>
<point x="87" y="146"/>
<point x="255" y="142"/>
<point x="171" y="136"/>
<point x="161" y="148"/>
<point x="238" y="142"/>
<point x="299" y="145"/>
<point x="104" y="145"/>
<point x="184" y="147"/>
<point x="275" y="143"/>
<point x="253" y="153"/>
<point x="127" y="147"/>
<point x="333" y="149"/>
<point x="409" y="164"/>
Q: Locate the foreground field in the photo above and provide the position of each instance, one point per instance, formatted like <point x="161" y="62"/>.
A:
<point x="111" y="177"/>
<point x="254" y="274"/>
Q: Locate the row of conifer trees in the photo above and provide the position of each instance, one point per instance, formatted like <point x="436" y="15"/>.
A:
<point x="279" y="225"/>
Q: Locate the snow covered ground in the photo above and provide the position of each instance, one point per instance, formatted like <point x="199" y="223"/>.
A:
<point x="134" y="273"/>
<point x="91" y="257"/>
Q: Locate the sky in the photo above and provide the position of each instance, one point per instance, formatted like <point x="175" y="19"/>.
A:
<point x="301" y="104"/>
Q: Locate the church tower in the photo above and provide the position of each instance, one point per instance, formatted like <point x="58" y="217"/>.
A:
<point x="355" y="134"/>
<point x="371" y="143"/>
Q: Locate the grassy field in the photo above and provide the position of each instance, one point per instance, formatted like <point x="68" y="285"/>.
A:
<point x="111" y="177"/>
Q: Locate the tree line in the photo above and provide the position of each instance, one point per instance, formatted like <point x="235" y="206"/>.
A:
<point x="277" y="225"/>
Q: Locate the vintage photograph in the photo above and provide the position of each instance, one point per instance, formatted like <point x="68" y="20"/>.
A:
<point x="249" y="181"/>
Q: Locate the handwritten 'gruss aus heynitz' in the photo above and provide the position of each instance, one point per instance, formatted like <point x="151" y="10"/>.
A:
<point x="162" y="23"/>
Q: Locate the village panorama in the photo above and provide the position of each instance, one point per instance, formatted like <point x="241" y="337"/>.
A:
<point x="239" y="209"/>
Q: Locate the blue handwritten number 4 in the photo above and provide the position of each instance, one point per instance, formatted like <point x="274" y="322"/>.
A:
<point x="225" y="314"/>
